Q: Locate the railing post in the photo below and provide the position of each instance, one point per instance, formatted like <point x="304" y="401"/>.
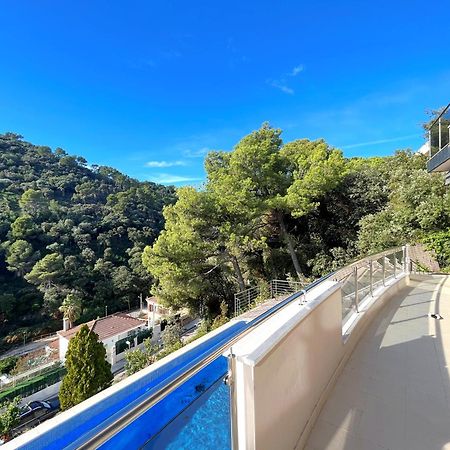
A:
<point x="429" y="144"/>
<point x="383" y="266"/>
<point x="271" y="289"/>
<point x="395" y="265"/>
<point x="407" y="259"/>
<point x="355" y="271"/>
<point x="233" y="399"/>
<point x="235" y="305"/>
<point x="371" y="277"/>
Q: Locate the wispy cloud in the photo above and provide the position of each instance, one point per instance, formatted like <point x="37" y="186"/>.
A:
<point x="163" y="164"/>
<point x="282" y="83"/>
<point x="381" y="141"/>
<point x="198" y="153"/>
<point x="296" y="70"/>
<point x="282" y="87"/>
<point x="167" y="178"/>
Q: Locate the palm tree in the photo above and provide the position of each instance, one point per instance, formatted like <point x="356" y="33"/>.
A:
<point x="71" y="308"/>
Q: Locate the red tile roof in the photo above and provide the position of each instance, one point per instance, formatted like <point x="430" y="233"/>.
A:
<point x="106" y="327"/>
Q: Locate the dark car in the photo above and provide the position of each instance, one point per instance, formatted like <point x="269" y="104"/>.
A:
<point x="36" y="412"/>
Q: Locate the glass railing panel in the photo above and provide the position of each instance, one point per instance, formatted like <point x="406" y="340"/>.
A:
<point x="389" y="266"/>
<point x="348" y="295"/>
<point x="439" y="132"/>
<point x="377" y="272"/>
<point x="364" y="280"/>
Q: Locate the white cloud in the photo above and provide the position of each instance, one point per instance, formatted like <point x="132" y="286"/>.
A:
<point x="282" y="87"/>
<point x="296" y="70"/>
<point x="167" y="178"/>
<point x="162" y="164"/>
<point x="381" y="141"/>
<point x="282" y="83"/>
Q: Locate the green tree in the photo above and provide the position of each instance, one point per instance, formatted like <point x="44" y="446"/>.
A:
<point x="72" y="307"/>
<point x="268" y="180"/>
<point x="9" y="417"/>
<point x="46" y="270"/>
<point x="140" y="358"/>
<point x="191" y="255"/>
<point x="24" y="227"/>
<point x="418" y="205"/>
<point x="88" y="372"/>
<point x="33" y="203"/>
<point x="21" y="257"/>
<point x="97" y="219"/>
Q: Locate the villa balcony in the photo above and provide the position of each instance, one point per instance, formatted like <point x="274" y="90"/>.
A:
<point x="438" y="143"/>
<point x="354" y="361"/>
<point x="440" y="161"/>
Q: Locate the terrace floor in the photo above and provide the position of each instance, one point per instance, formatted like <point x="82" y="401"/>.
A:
<point x="394" y="393"/>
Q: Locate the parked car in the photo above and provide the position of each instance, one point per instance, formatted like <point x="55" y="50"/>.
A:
<point x="34" y="413"/>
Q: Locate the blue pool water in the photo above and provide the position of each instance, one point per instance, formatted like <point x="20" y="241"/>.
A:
<point x="145" y="427"/>
<point x="204" y="425"/>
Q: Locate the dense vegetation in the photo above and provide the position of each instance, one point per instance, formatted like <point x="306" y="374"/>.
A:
<point x="71" y="237"/>
<point x="297" y="210"/>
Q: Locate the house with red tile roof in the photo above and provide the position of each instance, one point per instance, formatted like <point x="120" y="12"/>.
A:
<point x="118" y="332"/>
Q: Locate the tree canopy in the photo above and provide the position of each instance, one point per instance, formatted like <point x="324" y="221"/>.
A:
<point x="267" y="210"/>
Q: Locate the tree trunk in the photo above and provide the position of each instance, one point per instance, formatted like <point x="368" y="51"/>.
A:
<point x="238" y="272"/>
<point x="290" y="246"/>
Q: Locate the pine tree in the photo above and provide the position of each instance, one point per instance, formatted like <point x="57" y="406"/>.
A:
<point x="88" y="372"/>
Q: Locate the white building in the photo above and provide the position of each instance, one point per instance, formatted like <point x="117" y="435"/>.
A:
<point x="118" y="332"/>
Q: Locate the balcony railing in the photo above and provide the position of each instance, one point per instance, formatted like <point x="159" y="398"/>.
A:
<point x="439" y="137"/>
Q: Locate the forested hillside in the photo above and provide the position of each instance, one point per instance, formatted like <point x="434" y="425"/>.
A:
<point x="274" y="210"/>
<point x="70" y="233"/>
<point x="84" y="238"/>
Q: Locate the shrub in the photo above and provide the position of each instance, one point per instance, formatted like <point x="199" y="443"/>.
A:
<point x="9" y="417"/>
<point x="8" y="364"/>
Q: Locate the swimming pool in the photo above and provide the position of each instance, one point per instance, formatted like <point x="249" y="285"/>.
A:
<point x="204" y="425"/>
<point x="182" y="409"/>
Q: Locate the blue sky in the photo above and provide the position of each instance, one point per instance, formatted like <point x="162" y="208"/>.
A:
<point x="149" y="87"/>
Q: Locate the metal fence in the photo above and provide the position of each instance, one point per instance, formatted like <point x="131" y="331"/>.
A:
<point x="244" y="300"/>
<point x="275" y="289"/>
<point x="282" y="288"/>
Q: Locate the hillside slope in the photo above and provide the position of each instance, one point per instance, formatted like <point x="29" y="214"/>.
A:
<point x="67" y="229"/>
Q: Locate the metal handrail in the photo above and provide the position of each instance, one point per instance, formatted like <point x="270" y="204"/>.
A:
<point x="346" y="270"/>
<point x="118" y="425"/>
